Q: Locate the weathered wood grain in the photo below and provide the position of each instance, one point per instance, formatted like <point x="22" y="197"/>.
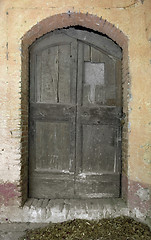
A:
<point x="75" y="110"/>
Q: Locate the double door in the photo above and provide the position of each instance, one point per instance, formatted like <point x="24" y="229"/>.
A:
<point x="75" y="110"/>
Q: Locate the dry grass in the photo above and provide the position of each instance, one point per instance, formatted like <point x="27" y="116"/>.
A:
<point x="122" y="228"/>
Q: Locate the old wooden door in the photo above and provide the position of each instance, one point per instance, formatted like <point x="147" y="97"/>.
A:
<point x="75" y="110"/>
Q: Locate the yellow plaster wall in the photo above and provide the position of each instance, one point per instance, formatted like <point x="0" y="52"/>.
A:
<point x="132" y="17"/>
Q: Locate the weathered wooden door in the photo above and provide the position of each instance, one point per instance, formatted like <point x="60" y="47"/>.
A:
<point x="75" y="110"/>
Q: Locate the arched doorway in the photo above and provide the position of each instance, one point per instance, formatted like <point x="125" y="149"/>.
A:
<point x="75" y="111"/>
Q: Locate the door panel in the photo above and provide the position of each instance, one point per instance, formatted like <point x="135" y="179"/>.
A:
<point x="98" y="144"/>
<point x="54" y="82"/>
<point x="99" y="79"/>
<point x="93" y="79"/>
<point x="97" y="186"/>
<point x="97" y="125"/>
<point x="52" y="117"/>
<point x="48" y="76"/>
<point x="48" y="154"/>
<point x="52" y="185"/>
<point x="75" y="110"/>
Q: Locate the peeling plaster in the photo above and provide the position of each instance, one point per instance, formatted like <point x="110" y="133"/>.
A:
<point x="147" y="153"/>
<point x="8" y="191"/>
<point x="143" y="194"/>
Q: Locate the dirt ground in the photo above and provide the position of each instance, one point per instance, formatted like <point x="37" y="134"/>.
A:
<point x="120" y="228"/>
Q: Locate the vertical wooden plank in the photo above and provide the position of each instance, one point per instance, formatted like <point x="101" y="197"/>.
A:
<point x="49" y="75"/>
<point x="40" y="146"/>
<point x="64" y="74"/>
<point x="95" y="55"/>
<point x="73" y="72"/>
<point x="87" y="53"/>
<point x="73" y="100"/>
<point x="38" y="77"/>
<point x="86" y="88"/>
<point x="80" y="76"/>
<point x="32" y="148"/>
<point x="118" y="74"/>
<point x="110" y="83"/>
<point x="110" y="65"/>
<point x="79" y="104"/>
<point x="118" y="168"/>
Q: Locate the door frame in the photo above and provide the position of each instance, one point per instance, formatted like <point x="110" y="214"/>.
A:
<point x="81" y="21"/>
<point x="111" y="55"/>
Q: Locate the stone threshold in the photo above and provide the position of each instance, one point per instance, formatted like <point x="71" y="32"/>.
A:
<point x="59" y="210"/>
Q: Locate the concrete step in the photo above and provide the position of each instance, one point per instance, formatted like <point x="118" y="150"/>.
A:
<point x="58" y="210"/>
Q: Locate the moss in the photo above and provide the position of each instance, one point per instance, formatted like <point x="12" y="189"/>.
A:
<point x="122" y="228"/>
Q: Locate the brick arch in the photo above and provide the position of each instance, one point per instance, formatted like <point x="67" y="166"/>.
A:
<point x="74" y="19"/>
<point x="49" y="24"/>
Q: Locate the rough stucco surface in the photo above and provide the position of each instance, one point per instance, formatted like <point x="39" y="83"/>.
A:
<point x="133" y="18"/>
